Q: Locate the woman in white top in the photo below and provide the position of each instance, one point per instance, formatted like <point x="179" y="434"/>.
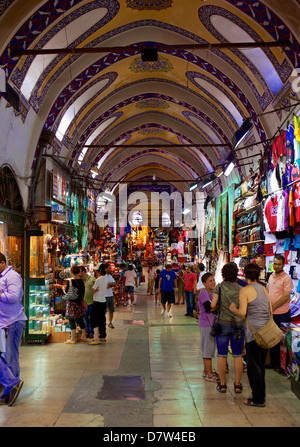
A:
<point x="98" y="318"/>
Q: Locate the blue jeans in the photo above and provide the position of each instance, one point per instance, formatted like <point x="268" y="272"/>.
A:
<point x="236" y="336"/>
<point x="9" y="360"/>
<point x="87" y="320"/>
<point x="189" y="299"/>
<point x="275" y="351"/>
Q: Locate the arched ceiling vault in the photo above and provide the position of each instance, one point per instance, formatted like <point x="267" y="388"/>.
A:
<point x="118" y="118"/>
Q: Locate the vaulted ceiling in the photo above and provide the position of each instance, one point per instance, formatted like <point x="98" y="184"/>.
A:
<point x="118" y="118"/>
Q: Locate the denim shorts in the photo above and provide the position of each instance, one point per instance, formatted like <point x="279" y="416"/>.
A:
<point x="233" y="334"/>
<point x="110" y="304"/>
<point x="129" y="289"/>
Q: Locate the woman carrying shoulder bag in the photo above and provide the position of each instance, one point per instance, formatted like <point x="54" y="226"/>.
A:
<point x="254" y="302"/>
<point x="74" y="309"/>
<point x="232" y="327"/>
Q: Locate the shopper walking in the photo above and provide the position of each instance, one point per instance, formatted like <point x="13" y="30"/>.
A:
<point x="151" y="272"/>
<point x="254" y="303"/>
<point x="206" y="320"/>
<point x="232" y="326"/>
<point x="180" y="293"/>
<point x="190" y="283"/>
<point x="75" y="308"/>
<point x="156" y="283"/>
<point x="130" y="281"/>
<point x="139" y="272"/>
<point x="110" y="300"/>
<point x="201" y="268"/>
<point x="280" y="286"/>
<point x="89" y="281"/>
<point x="98" y="317"/>
<point x="12" y="324"/>
<point x="167" y="282"/>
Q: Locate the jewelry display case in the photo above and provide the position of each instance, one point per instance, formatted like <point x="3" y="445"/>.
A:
<point x="37" y="304"/>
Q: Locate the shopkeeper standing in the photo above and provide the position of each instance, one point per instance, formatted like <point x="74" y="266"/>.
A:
<point x="12" y="324"/>
<point x="280" y="286"/>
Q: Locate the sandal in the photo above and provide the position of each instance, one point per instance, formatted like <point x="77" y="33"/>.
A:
<point x="221" y="388"/>
<point x="94" y="342"/>
<point x="250" y="403"/>
<point x="70" y="342"/>
<point x="212" y="378"/>
<point x="238" y="388"/>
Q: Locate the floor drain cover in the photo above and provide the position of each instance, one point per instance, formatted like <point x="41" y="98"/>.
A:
<point x="122" y="388"/>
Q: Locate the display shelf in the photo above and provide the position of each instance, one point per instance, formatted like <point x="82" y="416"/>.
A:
<point x="39" y="310"/>
<point x="249" y="210"/>
<point x="247" y="227"/>
<point x="252" y="242"/>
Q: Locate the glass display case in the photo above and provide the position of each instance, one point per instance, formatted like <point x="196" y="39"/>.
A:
<point x="39" y="310"/>
<point x="3" y="238"/>
<point x="14" y="253"/>
<point x="36" y="257"/>
<point x="37" y="296"/>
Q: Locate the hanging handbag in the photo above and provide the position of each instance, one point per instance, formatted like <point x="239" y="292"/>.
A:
<point x="216" y="327"/>
<point x="269" y="335"/>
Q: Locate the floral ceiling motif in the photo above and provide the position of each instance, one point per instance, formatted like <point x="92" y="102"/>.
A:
<point x="161" y="65"/>
<point x="155" y="5"/>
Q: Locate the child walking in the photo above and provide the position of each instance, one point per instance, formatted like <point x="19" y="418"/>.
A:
<point x="156" y="282"/>
<point x="206" y="320"/>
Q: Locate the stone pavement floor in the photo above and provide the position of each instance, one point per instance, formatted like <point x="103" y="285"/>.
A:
<point x="147" y="374"/>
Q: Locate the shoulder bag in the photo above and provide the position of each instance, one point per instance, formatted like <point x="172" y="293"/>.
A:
<point x="216" y="327"/>
<point x="269" y="335"/>
<point x="71" y="294"/>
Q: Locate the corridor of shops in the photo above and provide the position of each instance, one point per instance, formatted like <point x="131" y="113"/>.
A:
<point x="155" y="133"/>
<point x="147" y="374"/>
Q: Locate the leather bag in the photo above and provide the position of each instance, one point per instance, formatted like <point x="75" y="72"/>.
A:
<point x="269" y="335"/>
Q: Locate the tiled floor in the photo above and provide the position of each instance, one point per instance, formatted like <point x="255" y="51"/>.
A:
<point x="159" y="360"/>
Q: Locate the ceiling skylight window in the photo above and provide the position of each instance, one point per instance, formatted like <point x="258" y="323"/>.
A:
<point x="221" y="97"/>
<point x="61" y="39"/>
<point x="76" y="106"/>
<point x="94" y="135"/>
<point x="234" y="33"/>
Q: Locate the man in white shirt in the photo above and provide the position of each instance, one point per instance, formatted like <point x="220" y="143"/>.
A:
<point x="110" y="303"/>
<point x="98" y="318"/>
<point x="200" y="285"/>
<point x="130" y="280"/>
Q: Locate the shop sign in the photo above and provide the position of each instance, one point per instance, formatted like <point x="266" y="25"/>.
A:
<point x="60" y="188"/>
<point x="58" y="213"/>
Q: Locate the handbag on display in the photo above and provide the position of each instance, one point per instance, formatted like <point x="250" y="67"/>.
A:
<point x="269" y="335"/>
<point x="245" y="251"/>
<point x="236" y="251"/>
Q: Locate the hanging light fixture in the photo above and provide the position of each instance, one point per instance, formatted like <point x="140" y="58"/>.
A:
<point x="241" y="133"/>
<point x="193" y="185"/>
<point x="229" y="165"/>
<point x="209" y="180"/>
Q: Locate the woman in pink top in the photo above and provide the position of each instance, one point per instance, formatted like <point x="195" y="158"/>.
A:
<point x="190" y="284"/>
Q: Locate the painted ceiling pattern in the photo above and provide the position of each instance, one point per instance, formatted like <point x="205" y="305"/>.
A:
<point x="113" y="98"/>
